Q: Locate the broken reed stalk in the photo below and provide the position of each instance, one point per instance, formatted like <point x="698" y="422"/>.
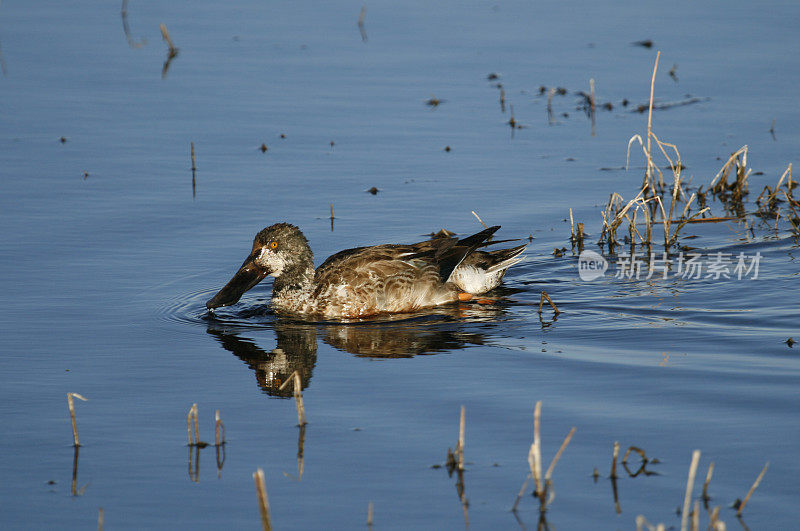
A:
<point x="571" y="227"/>
<point x="709" y="474"/>
<point x="193" y="165"/>
<point x="218" y="427"/>
<point x="521" y="493"/>
<point x="298" y="396"/>
<point x="263" y="503"/>
<point x="72" y="416"/>
<point x="752" y="489"/>
<point x="332" y="218"/>
<point x="369" y="515"/>
<point x="614" y="457"/>
<point x="479" y="219"/>
<point x="192" y="415"/>
<point x="549" y="474"/>
<point x="535" y="454"/>
<point x="546" y="297"/>
<point x="101" y="519"/>
<point x="173" y="51"/>
<point x="696" y="516"/>
<point x="687" y="500"/>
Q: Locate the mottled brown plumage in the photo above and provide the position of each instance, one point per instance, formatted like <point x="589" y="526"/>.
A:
<point x="367" y="281"/>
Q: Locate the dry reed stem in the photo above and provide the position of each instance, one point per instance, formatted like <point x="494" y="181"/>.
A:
<point x="564" y="444"/>
<point x="263" y="503"/>
<point x="332" y="218"/>
<point x="298" y="396"/>
<point x="648" y="175"/>
<point x="546" y="297"/>
<point x="72" y="416"/>
<point x="787" y="172"/>
<point x="571" y="227"/>
<point x="722" y="174"/>
<point x="696" y="516"/>
<point x="521" y="491"/>
<point x="173" y="51"/>
<point x="101" y="519"/>
<point x="632" y="225"/>
<point x="752" y="489"/>
<point x="369" y="515"/>
<point x="648" y="157"/>
<point x="461" y="438"/>
<point x="709" y="474"/>
<point x="479" y="219"/>
<point x="665" y="221"/>
<point x="192" y="415"/>
<point x="614" y="456"/>
<point x="218" y="426"/>
<point x="689" y="487"/>
<point x="536" y="449"/>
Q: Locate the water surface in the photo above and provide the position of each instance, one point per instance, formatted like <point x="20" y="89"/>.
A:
<point x="109" y="252"/>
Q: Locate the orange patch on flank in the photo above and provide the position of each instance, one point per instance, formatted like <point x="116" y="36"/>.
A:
<point x="464" y="297"/>
<point x="485" y="301"/>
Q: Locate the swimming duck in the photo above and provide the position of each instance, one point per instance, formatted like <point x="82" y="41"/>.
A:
<point x="366" y="281"/>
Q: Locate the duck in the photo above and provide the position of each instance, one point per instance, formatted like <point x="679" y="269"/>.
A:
<point x="368" y="281"/>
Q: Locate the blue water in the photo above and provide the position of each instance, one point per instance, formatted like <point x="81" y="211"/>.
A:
<point x="108" y="254"/>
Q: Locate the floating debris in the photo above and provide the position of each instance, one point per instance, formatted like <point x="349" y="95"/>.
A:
<point x="434" y="102"/>
<point x="172" y="53"/>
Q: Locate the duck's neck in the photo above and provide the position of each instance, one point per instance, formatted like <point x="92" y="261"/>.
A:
<point x="294" y="280"/>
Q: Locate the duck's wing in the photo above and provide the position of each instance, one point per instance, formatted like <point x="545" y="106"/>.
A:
<point x="429" y="261"/>
<point x="448" y="258"/>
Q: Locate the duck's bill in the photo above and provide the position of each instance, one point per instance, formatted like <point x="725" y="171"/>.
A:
<point x="248" y="276"/>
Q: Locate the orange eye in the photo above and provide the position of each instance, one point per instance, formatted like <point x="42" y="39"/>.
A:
<point x="273" y="245"/>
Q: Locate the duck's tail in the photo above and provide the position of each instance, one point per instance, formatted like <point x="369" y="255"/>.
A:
<point x="482" y="271"/>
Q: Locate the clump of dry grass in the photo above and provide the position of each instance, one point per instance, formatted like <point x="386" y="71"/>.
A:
<point x="656" y="202"/>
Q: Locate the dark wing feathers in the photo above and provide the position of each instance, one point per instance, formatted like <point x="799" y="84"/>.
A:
<point x="445" y="253"/>
<point x="449" y="259"/>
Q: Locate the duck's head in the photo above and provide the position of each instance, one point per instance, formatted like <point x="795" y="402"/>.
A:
<point x="276" y="250"/>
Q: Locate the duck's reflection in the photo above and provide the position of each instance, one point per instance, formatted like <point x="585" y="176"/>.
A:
<point x="296" y="348"/>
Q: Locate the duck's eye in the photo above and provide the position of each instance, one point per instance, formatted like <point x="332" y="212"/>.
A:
<point x="273" y="245"/>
